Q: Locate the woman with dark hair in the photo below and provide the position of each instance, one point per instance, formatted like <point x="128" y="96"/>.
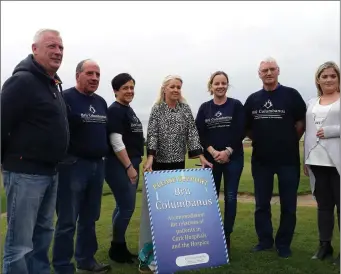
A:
<point x="322" y="153"/>
<point x="122" y="165"/>
<point x="220" y="123"/>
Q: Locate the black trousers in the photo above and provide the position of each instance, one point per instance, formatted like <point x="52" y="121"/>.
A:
<point x="327" y="193"/>
<point x="288" y="181"/>
<point x="168" y="166"/>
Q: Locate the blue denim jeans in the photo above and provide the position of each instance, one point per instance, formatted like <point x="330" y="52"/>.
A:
<point x="288" y="181"/>
<point x="31" y="201"/>
<point x="232" y="172"/>
<point x="78" y="201"/>
<point x="124" y="192"/>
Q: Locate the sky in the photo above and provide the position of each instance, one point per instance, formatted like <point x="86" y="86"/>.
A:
<point x="151" y="40"/>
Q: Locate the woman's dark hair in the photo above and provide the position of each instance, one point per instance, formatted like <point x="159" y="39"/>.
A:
<point x="119" y="80"/>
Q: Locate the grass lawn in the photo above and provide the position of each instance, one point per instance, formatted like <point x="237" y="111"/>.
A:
<point x="242" y="260"/>
<point x="2" y="200"/>
<point x="246" y="181"/>
<point x="2" y="197"/>
<point x="245" y="185"/>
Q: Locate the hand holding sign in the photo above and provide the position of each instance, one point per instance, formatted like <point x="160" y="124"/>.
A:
<point x="204" y="162"/>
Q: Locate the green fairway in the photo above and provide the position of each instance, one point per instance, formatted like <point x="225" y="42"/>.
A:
<point x="245" y="185"/>
<point x="246" y="181"/>
<point x="243" y="238"/>
<point x="2" y="197"/>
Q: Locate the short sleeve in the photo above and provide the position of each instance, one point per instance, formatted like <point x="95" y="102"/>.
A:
<point x="116" y="120"/>
<point x="105" y="105"/>
<point x="299" y="106"/>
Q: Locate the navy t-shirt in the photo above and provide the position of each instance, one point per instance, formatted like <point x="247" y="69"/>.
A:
<point x="123" y="120"/>
<point x="87" y="115"/>
<point x="221" y="126"/>
<point x="271" y="118"/>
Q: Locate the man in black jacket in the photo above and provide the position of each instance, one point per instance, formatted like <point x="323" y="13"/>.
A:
<point x="34" y="139"/>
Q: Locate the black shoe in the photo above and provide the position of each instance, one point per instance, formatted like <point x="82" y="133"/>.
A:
<point x="337" y="260"/>
<point x="260" y="247"/>
<point x="118" y="252"/>
<point x="95" y="268"/>
<point x="133" y="256"/>
<point x="325" y="250"/>
<point x="284" y="252"/>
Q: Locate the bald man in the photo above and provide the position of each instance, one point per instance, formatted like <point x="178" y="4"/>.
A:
<point x="81" y="175"/>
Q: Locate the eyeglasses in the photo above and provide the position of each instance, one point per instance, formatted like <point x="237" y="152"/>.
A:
<point x="264" y="71"/>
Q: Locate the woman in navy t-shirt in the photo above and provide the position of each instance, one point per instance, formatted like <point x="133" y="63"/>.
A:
<point x="220" y="123"/>
<point x="122" y="166"/>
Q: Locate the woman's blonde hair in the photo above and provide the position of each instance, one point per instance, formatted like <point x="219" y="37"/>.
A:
<point x="321" y="68"/>
<point x="161" y="97"/>
<point x="210" y="81"/>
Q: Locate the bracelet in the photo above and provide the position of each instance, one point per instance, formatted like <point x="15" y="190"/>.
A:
<point x="128" y="166"/>
<point x="229" y="150"/>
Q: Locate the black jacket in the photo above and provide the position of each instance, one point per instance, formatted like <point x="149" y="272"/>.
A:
<point x="34" y="126"/>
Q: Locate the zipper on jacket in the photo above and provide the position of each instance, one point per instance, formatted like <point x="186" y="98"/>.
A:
<point x="57" y="84"/>
<point x="65" y="118"/>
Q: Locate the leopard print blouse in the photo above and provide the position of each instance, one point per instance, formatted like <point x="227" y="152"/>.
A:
<point x="171" y="132"/>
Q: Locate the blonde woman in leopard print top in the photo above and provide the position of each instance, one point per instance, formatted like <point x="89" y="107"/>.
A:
<point x="171" y="130"/>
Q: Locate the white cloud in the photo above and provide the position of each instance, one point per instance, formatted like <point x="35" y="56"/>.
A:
<point x="153" y="39"/>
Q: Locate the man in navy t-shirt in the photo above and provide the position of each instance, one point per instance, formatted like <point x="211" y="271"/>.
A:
<point x="81" y="175"/>
<point x="275" y="122"/>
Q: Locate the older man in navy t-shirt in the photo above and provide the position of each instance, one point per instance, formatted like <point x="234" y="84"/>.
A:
<point x="81" y="175"/>
<point x="275" y="122"/>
